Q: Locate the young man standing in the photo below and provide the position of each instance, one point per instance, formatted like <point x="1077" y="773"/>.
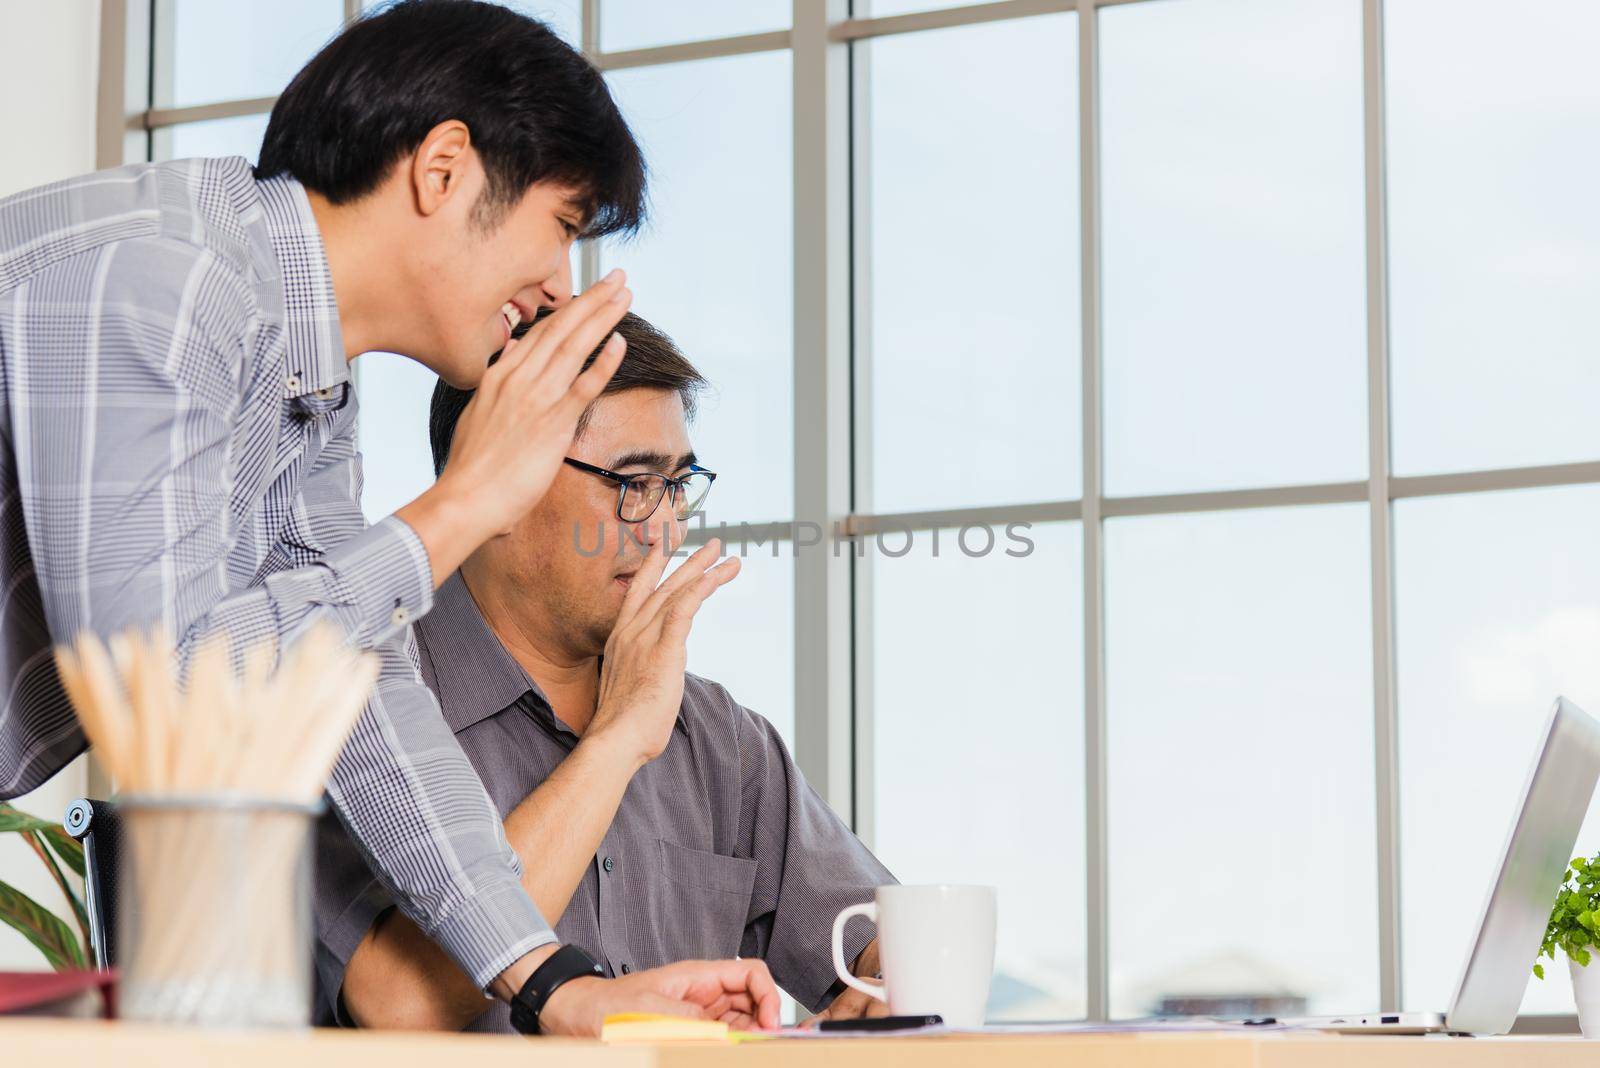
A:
<point x="177" y="439"/>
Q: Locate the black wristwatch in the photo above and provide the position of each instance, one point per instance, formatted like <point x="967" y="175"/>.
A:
<point x="565" y="964"/>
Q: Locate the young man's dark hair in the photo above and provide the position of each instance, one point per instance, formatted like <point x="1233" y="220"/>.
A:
<point x="537" y="110"/>
<point x="652" y="361"/>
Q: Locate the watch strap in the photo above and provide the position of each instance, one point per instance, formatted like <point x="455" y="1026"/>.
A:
<point x="562" y="966"/>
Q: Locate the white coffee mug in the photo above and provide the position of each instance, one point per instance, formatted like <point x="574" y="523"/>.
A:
<point x="936" y="946"/>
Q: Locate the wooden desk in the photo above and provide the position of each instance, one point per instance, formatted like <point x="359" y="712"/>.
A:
<point x="52" y="1043"/>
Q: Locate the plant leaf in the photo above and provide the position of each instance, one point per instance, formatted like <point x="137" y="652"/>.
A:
<point x="82" y="914"/>
<point x="1574" y="924"/>
<point x="14" y="819"/>
<point x="48" y="933"/>
<point x="68" y="848"/>
<point x="1538" y="969"/>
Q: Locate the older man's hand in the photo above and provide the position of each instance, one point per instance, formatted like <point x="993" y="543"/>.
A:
<point x="852" y="1004"/>
<point x="641" y="678"/>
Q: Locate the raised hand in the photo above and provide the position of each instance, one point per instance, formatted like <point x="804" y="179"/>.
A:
<point x="641" y="682"/>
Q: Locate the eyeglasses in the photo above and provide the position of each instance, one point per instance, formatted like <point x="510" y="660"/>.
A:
<point x="638" y="496"/>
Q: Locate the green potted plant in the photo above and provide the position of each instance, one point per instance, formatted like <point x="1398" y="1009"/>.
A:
<point x="49" y="934"/>
<point x="1575" y="928"/>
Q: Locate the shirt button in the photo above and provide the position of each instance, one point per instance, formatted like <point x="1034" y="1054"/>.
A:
<point x="400" y="617"/>
<point x="293" y="382"/>
<point x="627" y="969"/>
<point x="325" y="394"/>
<point x="608" y="864"/>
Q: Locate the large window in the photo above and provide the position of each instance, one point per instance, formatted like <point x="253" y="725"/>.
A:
<point x="1205" y="402"/>
<point x="977" y="698"/>
<point x="1234" y="276"/>
<point x="1499" y="609"/>
<point x="1239" y="710"/>
<point x="974" y="333"/>
<point x="1495" y="233"/>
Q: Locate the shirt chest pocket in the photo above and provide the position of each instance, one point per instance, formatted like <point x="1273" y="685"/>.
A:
<point x="706" y="900"/>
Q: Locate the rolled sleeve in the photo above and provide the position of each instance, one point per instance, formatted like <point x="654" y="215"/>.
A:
<point x="492" y="929"/>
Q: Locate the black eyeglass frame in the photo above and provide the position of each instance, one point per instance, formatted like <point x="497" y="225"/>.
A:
<point x="670" y="486"/>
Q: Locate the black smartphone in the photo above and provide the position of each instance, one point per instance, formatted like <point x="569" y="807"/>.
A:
<point x="881" y="1023"/>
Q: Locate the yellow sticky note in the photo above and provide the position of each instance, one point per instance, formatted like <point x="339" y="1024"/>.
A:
<point x="651" y="1027"/>
<point x="737" y="1037"/>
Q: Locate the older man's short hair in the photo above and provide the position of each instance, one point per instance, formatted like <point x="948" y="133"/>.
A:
<point x="652" y="361"/>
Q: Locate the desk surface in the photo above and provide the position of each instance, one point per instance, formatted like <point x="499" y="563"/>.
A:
<point x="58" y="1042"/>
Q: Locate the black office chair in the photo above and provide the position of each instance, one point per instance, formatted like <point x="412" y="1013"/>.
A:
<point x="97" y="825"/>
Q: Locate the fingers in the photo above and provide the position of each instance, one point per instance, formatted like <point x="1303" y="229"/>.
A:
<point x="720" y="1008"/>
<point x="645" y="580"/>
<point x="752" y="979"/>
<point x="666" y="1006"/>
<point x="740" y="1004"/>
<point x="689" y="595"/>
<point x="588" y="386"/>
<point x="768" y="1002"/>
<point x="690" y="570"/>
<point x="852" y="1005"/>
<point x="706" y="982"/>
<point x="554" y="362"/>
<point x="677" y="616"/>
<point x="726" y="570"/>
<point x="549" y="333"/>
<point x="560" y="366"/>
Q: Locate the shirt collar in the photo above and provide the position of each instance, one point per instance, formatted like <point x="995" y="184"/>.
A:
<point x="475" y="676"/>
<point x="315" y="359"/>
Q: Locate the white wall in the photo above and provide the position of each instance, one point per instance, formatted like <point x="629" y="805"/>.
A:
<point x="49" y="56"/>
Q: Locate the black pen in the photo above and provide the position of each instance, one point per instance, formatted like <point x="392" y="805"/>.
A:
<point x="881" y="1023"/>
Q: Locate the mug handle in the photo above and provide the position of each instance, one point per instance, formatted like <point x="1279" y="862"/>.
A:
<point x="870" y="911"/>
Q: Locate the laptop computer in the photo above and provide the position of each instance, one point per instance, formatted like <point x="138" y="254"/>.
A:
<point x="1555" y="799"/>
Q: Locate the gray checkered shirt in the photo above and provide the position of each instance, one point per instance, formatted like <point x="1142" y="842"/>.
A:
<point x="179" y="446"/>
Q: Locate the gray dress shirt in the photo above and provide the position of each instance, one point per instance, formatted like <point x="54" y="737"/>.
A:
<point x="178" y="445"/>
<point x="719" y="847"/>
